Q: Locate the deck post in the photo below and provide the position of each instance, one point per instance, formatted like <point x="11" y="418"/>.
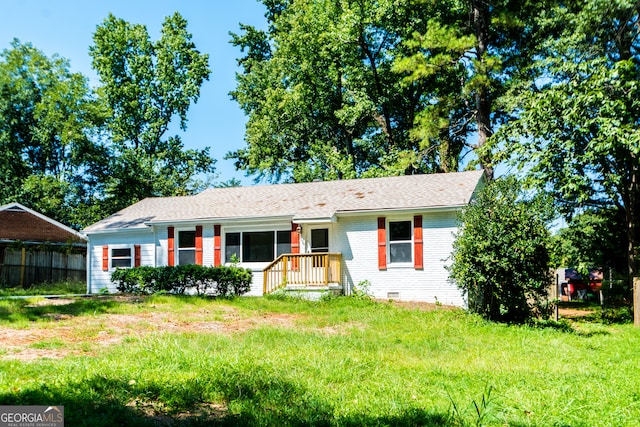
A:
<point x="326" y="269"/>
<point x="285" y="260"/>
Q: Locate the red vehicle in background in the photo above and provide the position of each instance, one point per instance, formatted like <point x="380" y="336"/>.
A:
<point x="574" y="287"/>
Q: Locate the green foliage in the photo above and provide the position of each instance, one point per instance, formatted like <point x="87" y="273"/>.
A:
<point x="217" y="281"/>
<point x="145" y="85"/>
<point x="362" y="290"/>
<point x="481" y="410"/>
<point x="51" y="160"/>
<point x="575" y="130"/>
<point x="595" y="238"/>
<point x="60" y="288"/>
<point x="322" y="98"/>
<point x="501" y="256"/>
<point x="77" y="155"/>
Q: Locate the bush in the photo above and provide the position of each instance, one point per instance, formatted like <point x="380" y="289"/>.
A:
<point x="215" y="281"/>
<point x="500" y="256"/>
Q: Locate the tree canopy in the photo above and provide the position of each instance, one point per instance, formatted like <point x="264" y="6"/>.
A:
<point x="336" y="89"/>
<point x="78" y="154"/>
<point x="145" y="85"/>
<point x="51" y="159"/>
<point x="321" y="95"/>
<point x="576" y="130"/>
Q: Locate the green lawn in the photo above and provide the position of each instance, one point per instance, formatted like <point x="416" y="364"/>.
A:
<point x="344" y="362"/>
<point x="58" y="288"/>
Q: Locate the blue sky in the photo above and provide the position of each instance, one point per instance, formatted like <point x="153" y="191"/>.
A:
<point x="66" y="27"/>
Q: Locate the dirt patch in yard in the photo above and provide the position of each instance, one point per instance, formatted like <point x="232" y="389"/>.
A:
<point x="69" y="335"/>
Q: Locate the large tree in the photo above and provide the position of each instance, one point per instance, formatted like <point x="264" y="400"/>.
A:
<point x="146" y="85"/>
<point x="577" y="133"/>
<point x="337" y="88"/>
<point x="51" y="159"/>
<point x="470" y="53"/>
<point x="321" y="95"/>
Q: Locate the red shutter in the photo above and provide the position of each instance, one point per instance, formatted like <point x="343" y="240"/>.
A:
<point x="295" y="238"/>
<point x="382" y="244"/>
<point x="217" y="246"/>
<point x="199" y="244"/>
<point x="295" y="244"/>
<point x="417" y="242"/>
<point x="136" y="255"/>
<point x="171" y="248"/>
<point x="105" y="258"/>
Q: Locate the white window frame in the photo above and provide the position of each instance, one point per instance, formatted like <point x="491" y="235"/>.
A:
<point x="177" y="248"/>
<point x="390" y="242"/>
<point x="241" y="231"/>
<point x="121" y="246"/>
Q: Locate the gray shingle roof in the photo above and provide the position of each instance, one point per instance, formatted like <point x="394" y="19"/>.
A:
<point x="301" y="201"/>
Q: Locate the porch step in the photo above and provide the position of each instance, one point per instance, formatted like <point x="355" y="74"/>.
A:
<point x="313" y="293"/>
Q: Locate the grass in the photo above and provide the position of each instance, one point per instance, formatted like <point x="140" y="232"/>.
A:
<point x="60" y="288"/>
<point x="340" y="362"/>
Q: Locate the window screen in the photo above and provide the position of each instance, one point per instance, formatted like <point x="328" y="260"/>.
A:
<point x="258" y="246"/>
<point x="186" y="247"/>
<point x="400" y="243"/>
<point x="121" y="257"/>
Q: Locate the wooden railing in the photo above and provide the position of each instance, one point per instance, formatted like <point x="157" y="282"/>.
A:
<point x="315" y="269"/>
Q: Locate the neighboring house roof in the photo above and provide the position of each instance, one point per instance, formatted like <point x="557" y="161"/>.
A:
<point x="303" y="202"/>
<point x="17" y="222"/>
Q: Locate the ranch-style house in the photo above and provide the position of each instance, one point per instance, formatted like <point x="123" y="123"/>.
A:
<point x="392" y="236"/>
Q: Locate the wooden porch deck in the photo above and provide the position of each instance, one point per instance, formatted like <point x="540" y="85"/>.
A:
<point x="315" y="270"/>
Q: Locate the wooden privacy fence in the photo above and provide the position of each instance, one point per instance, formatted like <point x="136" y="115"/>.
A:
<point x="21" y="267"/>
<point x="315" y="269"/>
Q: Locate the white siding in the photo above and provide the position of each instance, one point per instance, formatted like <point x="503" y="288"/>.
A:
<point x="356" y="237"/>
<point x="256" y="284"/>
<point x="207" y="244"/>
<point x="97" y="279"/>
<point x="358" y="242"/>
<point x="161" y="246"/>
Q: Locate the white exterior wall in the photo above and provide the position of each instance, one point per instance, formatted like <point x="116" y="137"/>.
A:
<point x="97" y="279"/>
<point x="355" y="237"/>
<point x="358" y="242"/>
<point x="161" y="242"/>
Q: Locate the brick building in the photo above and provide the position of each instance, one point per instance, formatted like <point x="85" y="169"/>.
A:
<point x="36" y="249"/>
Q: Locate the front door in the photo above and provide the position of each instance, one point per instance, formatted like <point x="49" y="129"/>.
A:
<point x="319" y="243"/>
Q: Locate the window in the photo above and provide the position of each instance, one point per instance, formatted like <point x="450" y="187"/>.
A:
<point x="121" y="257"/>
<point x="319" y="243"/>
<point x="232" y="246"/>
<point x="186" y="247"/>
<point x="320" y="240"/>
<point x="400" y="244"/>
<point x="283" y="246"/>
<point x="257" y="246"/>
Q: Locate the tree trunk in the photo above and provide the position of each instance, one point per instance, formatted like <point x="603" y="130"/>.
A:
<point x="481" y="18"/>
<point x="632" y="211"/>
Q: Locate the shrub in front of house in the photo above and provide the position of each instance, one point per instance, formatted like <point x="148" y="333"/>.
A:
<point x="501" y="258"/>
<point x="183" y="279"/>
